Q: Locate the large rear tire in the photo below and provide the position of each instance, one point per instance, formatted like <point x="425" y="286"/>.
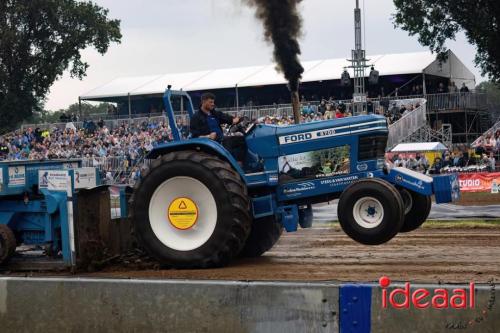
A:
<point x="370" y="211"/>
<point x="417" y="209"/>
<point x="7" y="244"/>
<point x="265" y="233"/>
<point x="211" y="204"/>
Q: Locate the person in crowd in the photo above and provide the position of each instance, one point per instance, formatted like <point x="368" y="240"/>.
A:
<point x="447" y="162"/>
<point x="437" y="165"/>
<point x="489" y="142"/>
<point x="329" y="113"/>
<point x="307" y="109"/>
<point x="464" y="88"/>
<point x="422" y="162"/>
<point x="322" y="107"/>
<point x="497" y="139"/>
<point x="441" y="88"/>
<point x="492" y="162"/>
<point x="458" y="160"/>
<point x="339" y="113"/>
<point x="452" y="88"/>
<point x="400" y="162"/>
<point x="369" y="106"/>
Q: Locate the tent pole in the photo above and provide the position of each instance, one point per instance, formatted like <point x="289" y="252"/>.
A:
<point x="80" y="107"/>
<point x="237" y="99"/>
<point x="424" y="86"/>
<point x="182" y="103"/>
<point x="129" y="107"/>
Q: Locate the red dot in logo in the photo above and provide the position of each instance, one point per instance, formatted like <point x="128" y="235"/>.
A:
<point x="384" y="281"/>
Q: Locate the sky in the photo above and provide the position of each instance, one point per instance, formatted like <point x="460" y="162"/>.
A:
<point x="172" y="36"/>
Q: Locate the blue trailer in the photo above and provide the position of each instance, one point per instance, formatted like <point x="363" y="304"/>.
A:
<point x="197" y="206"/>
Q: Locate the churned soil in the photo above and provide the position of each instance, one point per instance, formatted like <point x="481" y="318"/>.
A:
<point x="478" y="199"/>
<point x="430" y="255"/>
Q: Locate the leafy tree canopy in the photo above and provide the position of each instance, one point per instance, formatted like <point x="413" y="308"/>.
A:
<point x="44" y="116"/>
<point x="39" y="39"/>
<point x="435" y="21"/>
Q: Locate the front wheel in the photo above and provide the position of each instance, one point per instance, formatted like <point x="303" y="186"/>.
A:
<point x="417" y="209"/>
<point x="370" y="211"/>
<point x="191" y="210"/>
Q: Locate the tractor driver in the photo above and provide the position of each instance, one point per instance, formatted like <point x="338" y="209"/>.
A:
<point x="206" y="124"/>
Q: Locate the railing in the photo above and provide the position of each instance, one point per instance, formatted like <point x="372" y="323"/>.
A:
<point x="407" y="125"/>
<point x="435" y="102"/>
<point x="492" y="130"/>
<point x="456" y="101"/>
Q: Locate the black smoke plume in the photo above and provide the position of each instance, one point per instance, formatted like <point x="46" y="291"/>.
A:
<point x="282" y="26"/>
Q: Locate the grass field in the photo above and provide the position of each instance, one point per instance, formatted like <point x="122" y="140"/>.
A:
<point x="463" y="224"/>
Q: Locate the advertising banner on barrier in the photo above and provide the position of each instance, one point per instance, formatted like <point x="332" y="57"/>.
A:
<point x="480" y="182"/>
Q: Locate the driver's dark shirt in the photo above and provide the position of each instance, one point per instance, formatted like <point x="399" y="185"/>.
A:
<point x="199" y="122"/>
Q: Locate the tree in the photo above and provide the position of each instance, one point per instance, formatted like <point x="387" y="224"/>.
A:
<point x="39" y="40"/>
<point x="436" y="21"/>
<point x="44" y="116"/>
<point x="492" y="92"/>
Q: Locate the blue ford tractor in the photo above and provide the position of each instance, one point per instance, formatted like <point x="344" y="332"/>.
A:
<point x="197" y="206"/>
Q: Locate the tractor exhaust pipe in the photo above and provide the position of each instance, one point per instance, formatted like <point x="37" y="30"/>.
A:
<point x="296" y="106"/>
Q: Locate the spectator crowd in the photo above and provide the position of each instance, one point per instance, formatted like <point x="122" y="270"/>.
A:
<point x="447" y="162"/>
<point x="120" y="148"/>
<point x="328" y="109"/>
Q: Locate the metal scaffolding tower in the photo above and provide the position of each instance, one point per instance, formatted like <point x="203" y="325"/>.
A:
<point x="358" y="63"/>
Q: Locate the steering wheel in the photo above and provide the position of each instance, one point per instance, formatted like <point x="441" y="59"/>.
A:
<point x="240" y="127"/>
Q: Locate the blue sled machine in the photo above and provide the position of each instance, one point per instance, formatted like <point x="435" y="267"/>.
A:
<point x="37" y="201"/>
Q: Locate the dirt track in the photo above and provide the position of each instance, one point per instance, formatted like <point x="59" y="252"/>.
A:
<point x="426" y="255"/>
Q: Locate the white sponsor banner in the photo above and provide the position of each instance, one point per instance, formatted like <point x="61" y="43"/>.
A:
<point x="54" y="180"/>
<point x="85" y="178"/>
<point x="17" y="175"/>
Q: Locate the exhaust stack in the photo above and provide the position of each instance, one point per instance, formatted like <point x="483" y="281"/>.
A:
<point x="296" y="106"/>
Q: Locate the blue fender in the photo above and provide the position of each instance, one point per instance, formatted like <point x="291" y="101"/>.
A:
<point x="202" y="144"/>
<point x="411" y="180"/>
<point x="445" y="187"/>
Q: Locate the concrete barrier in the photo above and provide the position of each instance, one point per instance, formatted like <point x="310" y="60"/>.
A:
<point x="94" y="305"/>
<point x="106" y="305"/>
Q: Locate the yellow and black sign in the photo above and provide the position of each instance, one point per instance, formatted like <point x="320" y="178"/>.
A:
<point x="183" y="213"/>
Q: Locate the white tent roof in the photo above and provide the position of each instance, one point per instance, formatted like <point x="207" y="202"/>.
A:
<point x="328" y="69"/>
<point x="420" y="146"/>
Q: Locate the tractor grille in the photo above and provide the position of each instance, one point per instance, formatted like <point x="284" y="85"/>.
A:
<point x="372" y="147"/>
